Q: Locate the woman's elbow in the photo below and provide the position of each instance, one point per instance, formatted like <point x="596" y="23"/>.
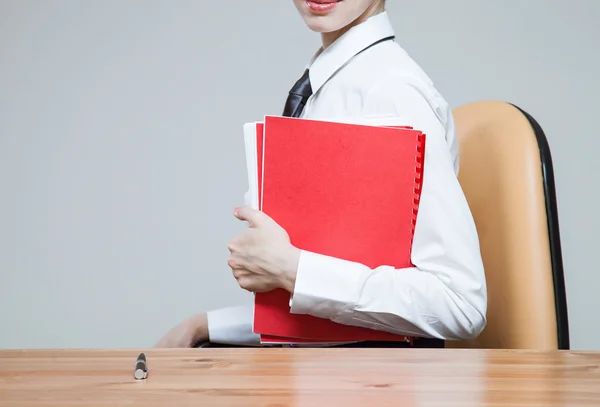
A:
<point x="477" y="323"/>
<point x="471" y="320"/>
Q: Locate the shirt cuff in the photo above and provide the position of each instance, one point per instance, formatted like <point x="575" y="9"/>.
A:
<point x="326" y="287"/>
<point x="232" y="326"/>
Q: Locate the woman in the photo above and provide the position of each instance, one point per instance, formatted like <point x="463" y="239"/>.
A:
<point x="362" y="72"/>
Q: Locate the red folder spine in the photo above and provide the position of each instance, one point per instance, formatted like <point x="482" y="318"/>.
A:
<point x="419" y="164"/>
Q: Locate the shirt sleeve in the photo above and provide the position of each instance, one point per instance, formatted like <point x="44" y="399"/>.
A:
<point x="444" y="294"/>
<point x="233" y="326"/>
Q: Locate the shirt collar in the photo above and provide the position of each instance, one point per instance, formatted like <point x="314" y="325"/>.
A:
<point x="327" y="62"/>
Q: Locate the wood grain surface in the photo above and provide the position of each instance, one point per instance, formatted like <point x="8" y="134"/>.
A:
<point x="301" y="377"/>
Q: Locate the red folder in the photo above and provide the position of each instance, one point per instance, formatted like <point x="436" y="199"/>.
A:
<point x="343" y="190"/>
<point x="279" y="340"/>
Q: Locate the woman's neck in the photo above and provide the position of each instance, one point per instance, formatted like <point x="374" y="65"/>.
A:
<point x="330" y="37"/>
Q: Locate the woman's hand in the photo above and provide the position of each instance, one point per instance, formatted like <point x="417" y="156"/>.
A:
<point x="262" y="257"/>
<point x="187" y="334"/>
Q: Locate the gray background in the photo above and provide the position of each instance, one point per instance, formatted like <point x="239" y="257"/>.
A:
<point x="121" y="153"/>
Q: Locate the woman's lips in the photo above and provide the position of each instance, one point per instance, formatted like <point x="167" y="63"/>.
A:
<point x="322" y="6"/>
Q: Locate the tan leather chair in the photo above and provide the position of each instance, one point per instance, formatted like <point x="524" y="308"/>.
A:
<point x="507" y="176"/>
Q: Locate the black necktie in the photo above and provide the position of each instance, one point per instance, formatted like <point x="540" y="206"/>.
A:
<point x="299" y="94"/>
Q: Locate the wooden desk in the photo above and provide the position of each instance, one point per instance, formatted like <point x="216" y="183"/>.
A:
<point x="301" y="377"/>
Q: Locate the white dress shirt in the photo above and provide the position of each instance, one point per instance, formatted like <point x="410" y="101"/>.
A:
<point x="444" y="296"/>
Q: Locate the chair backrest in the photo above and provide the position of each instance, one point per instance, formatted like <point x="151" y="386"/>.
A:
<point x="507" y="176"/>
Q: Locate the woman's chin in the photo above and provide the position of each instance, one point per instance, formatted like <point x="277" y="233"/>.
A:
<point x="323" y="24"/>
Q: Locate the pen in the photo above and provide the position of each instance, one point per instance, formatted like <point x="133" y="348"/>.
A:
<point x="141" y="370"/>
